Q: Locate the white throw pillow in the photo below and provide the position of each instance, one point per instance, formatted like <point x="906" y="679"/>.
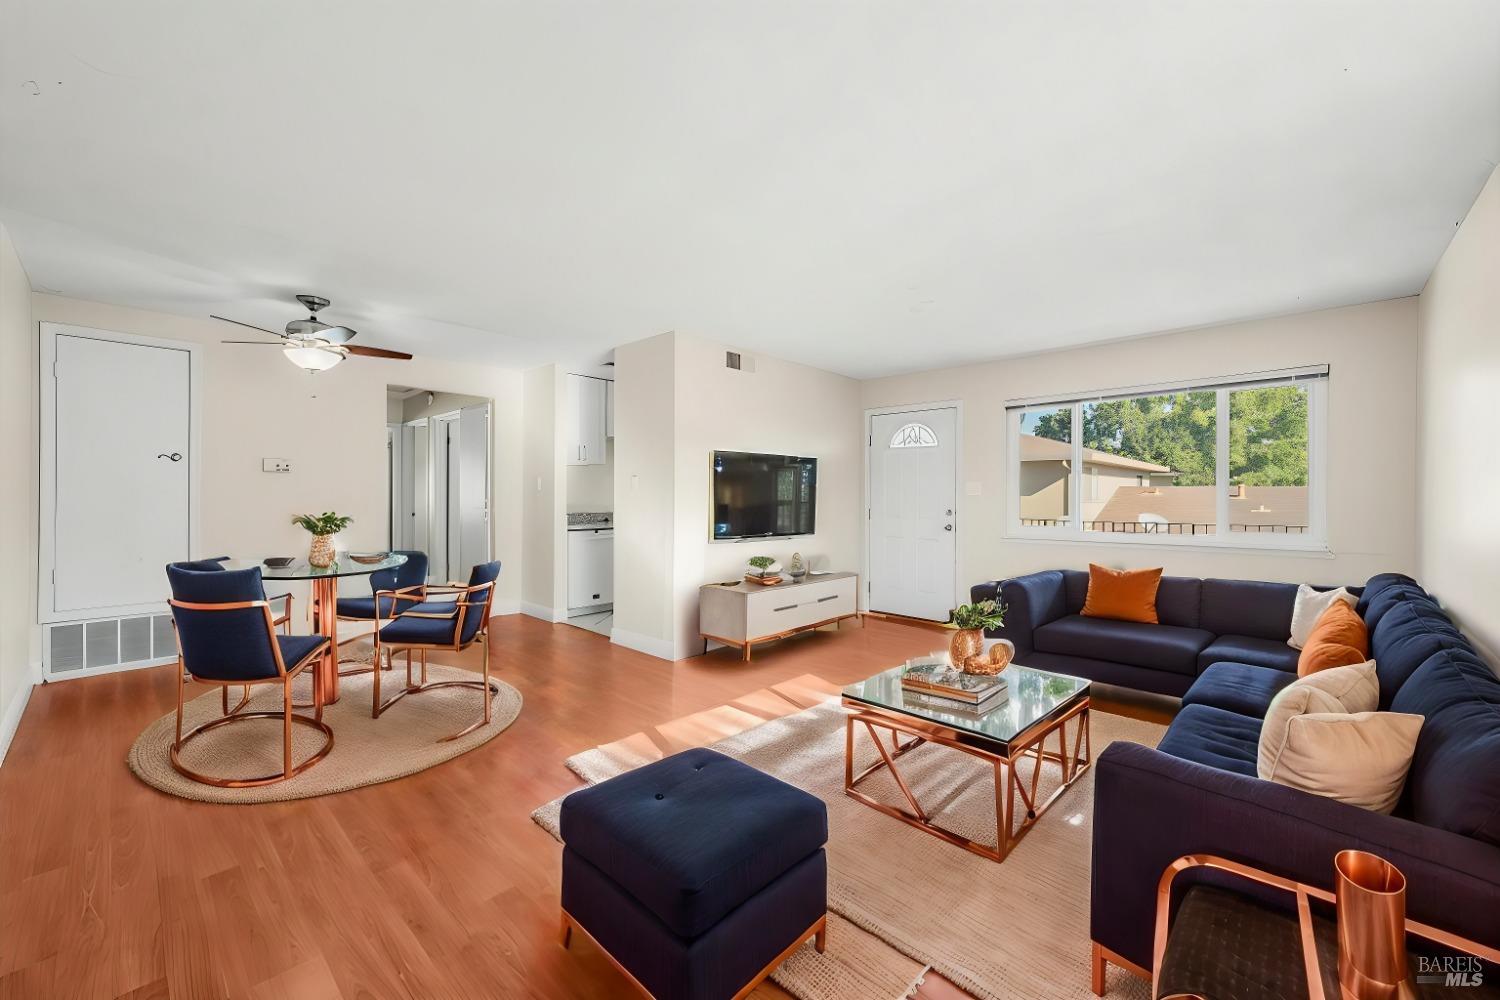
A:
<point x="1309" y="607"/>
<point x="1312" y="741"/>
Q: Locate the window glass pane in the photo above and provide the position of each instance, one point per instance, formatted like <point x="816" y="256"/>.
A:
<point x="1153" y="457"/>
<point x="1046" y="455"/>
<point x="1268" y="460"/>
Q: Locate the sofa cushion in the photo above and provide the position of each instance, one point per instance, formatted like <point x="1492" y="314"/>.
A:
<point x="1177" y="600"/>
<point x="1163" y="647"/>
<point x="1407" y="635"/>
<point x="1272" y="653"/>
<point x="693" y="836"/>
<point x="1127" y="595"/>
<point x="1376" y="607"/>
<point x="1243" y="688"/>
<point x="1379" y="582"/>
<point x="1455" y="774"/>
<point x="1309" y="607"/>
<point x="1213" y="737"/>
<point x="1248" y="607"/>
<point x="1338" y="639"/>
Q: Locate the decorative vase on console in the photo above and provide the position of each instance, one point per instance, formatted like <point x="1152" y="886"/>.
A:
<point x="322" y="527"/>
<point x="796" y="569"/>
<point x="969" y="622"/>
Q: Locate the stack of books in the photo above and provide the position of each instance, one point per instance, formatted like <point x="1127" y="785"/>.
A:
<point x="935" y="677"/>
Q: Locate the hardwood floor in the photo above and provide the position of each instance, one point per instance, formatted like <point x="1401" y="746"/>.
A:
<point x="437" y="885"/>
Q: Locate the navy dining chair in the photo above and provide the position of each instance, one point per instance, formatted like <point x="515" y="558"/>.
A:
<point x="400" y="587"/>
<point x="215" y="563"/>
<point x="455" y="620"/>
<point x="226" y="636"/>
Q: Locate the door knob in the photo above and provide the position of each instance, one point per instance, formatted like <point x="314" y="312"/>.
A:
<point x="176" y="456"/>
<point x="947" y="527"/>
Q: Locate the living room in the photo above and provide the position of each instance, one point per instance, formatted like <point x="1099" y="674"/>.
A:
<point x="1048" y="558"/>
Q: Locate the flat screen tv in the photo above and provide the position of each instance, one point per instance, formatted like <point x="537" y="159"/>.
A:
<point x="763" y="496"/>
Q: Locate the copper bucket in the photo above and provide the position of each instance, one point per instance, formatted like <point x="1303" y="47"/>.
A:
<point x="1371" y="897"/>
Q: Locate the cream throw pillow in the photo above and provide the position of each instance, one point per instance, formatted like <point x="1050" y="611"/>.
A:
<point x="1309" y="607"/>
<point x="1321" y="735"/>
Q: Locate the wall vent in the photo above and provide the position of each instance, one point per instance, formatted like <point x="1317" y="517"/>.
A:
<point x="732" y="360"/>
<point x="103" y="645"/>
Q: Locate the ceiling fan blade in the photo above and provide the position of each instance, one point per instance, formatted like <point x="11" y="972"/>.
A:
<point x="251" y="326"/>
<point x="260" y="343"/>
<point x="376" y="352"/>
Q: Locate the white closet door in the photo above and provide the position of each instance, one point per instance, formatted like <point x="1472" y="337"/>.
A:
<point x="473" y="487"/>
<point x="121" y="440"/>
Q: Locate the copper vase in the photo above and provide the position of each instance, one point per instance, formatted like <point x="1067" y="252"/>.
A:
<point x="967" y="642"/>
<point x="321" y="554"/>
<point x="1371" y="897"/>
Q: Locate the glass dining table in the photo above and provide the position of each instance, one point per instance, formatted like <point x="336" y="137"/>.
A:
<point x="324" y="602"/>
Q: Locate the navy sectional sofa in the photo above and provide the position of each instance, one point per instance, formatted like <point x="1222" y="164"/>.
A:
<point x="1197" y="792"/>
<point x="1202" y="622"/>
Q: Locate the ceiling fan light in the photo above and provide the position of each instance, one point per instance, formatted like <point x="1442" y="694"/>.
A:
<point x="313" y="359"/>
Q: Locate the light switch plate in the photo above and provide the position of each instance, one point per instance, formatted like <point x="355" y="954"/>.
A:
<point x="275" y="465"/>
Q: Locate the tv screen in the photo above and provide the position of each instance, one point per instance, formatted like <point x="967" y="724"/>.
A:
<point x="763" y="496"/>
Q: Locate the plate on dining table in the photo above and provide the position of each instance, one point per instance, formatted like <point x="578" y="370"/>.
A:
<point x="369" y="558"/>
<point x="279" y="562"/>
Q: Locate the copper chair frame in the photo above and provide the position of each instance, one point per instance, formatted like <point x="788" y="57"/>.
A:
<point x="283" y="676"/>
<point x="461" y="610"/>
<point x="401" y="594"/>
<point x="1304" y="895"/>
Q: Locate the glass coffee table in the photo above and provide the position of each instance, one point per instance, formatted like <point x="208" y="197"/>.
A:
<point x="1037" y="705"/>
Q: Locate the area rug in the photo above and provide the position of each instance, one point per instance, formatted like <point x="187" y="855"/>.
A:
<point x="366" y="751"/>
<point x="905" y="901"/>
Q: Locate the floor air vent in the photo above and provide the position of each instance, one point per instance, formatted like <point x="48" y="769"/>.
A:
<point x="103" y="645"/>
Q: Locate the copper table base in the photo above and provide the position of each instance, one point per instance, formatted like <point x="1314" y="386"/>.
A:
<point x="1002" y="758"/>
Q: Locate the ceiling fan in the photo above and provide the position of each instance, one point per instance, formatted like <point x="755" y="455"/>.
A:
<point x="313" y="345"/>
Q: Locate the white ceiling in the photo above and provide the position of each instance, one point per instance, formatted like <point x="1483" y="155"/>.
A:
<point x="868" y="187"/>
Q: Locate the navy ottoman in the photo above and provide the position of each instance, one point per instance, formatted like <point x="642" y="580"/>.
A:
<point x="697" y="874"/>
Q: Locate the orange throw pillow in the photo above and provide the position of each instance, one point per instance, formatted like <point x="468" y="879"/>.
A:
<point x="1337" y="640"/>
<point x="1128" y="595"/>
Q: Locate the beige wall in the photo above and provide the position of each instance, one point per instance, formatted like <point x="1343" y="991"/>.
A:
<point x="779" y="408"/>
<point x="331" y="426"/>
<point x="1371" y="350"/>
<point x="1458" y="480"/>
<point x="544" y="592"/>
<point x="644" y="505"/>
<point x="20" y="654"/>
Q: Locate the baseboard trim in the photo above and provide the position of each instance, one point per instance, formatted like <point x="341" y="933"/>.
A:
<point x="543" y="612"/>
<point x="506" y="607"/>
<point x="11" y="721"/>
<point x="662" y="649"/>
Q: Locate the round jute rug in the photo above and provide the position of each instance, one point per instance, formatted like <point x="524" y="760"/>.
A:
<point x="366" y="751"/>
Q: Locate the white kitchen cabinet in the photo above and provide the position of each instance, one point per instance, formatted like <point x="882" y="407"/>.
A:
<point x="591" y="567"/>
<point x="585" y="414"/>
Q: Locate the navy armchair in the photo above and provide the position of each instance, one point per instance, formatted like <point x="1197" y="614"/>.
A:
<point x="226" y="636"/>
<point x="455" y="621"/>
<point x="394" y="589"/>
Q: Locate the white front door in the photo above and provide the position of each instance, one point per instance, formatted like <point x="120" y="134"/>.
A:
<point x="913" y="507"/>
<point x="121" y="434"/>
<point x="473" y="527"/>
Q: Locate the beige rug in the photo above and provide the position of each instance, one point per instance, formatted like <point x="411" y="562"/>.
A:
<point x="366" y="751"/>
<point x="905" y="901"/>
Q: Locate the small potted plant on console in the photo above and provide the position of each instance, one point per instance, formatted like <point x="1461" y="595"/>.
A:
<point x="969" y="622"/>
<point x="764" y="570"/>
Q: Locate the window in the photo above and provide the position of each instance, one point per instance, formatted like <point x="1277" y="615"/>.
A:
<point x="914" y="436"/>
<point x="1229" y="461"/>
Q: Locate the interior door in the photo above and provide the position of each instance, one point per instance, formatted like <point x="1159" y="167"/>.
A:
<point x="121" y="440"/>
<point x="473" y="522"/>
<point x="913" y="508"/>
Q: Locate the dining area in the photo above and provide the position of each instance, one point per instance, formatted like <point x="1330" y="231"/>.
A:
<point x="304" y="701"/>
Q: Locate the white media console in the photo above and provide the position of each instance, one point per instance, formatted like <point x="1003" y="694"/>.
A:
<point x="747" y="613"/>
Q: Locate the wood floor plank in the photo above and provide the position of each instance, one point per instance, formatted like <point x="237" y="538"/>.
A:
<point x="437" y="885"/>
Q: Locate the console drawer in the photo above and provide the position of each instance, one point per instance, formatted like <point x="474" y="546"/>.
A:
<point x="781" y="609"/>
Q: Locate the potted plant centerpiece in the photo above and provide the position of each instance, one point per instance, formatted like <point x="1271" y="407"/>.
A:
<point x="322" y="527"/>
<point x="764" y="570"/>
<point x="969" y="622"/>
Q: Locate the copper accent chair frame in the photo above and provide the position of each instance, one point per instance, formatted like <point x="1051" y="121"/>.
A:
<point x="1304" y="895"/>
<point x="239" y="633"/>
<point x="389" y="639"/>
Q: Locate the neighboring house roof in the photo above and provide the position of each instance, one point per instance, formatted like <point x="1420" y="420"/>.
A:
<point x="1195" y="505"/>
<point x="1040" y="449"/>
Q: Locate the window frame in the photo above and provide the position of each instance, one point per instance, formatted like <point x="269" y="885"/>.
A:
<point x="1314" y="540"/>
